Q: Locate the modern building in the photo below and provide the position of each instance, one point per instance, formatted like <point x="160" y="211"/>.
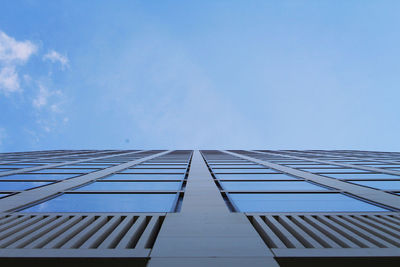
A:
<point x="200" y="208"/>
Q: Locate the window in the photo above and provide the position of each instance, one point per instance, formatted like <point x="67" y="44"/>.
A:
<point x="337" y="170"/>
<point x="19" y="186"/>
<point x="79" y="202"/>
<point x="271" y="186"/>
<point x="383" y="185"/>
<point x="36" y="177"/>
<point x="362" y="176"/>
<point x="19" y="166"/>
<point x="70" y="170"/>
<point x="299" y="202"/>
<point x="130" y="186"/>
<point x="135" y="170"/>
<point x="218" y="166"/>
<point x="255" y="176"/>
<point x="179" y="167"/>
<point x="132" y="177"/>
<point x="255" y="170"/>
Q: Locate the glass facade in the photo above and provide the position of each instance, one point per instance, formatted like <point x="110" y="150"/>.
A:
<point x="249" y="181"/>
<point x="316" y="202"/>
<point x="37" y="177"/>
<point x="19" y="186"/>
<point x="130" y="186"/>
<point x="270" y="186"/>
<point x="249" y="191"/>
<point x="107" y="203"/>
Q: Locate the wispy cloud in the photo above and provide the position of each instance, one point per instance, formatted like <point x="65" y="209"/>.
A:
<point x="9" y="81"/>
<point x="49" y="111"/>
<point x="54" y="57"/>
<point x="12" y="54"/>
<point x="46" y="98"/>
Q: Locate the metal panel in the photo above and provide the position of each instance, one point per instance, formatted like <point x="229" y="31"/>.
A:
<point x="45" y="233"/>
<point x="326" y="232"/>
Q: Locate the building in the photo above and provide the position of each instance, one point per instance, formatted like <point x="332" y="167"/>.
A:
<point x="200" y="208"/>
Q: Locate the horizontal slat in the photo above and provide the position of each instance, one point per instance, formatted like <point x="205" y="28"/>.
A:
<point x="327" y="231"/>
<point x="79" y="231"/>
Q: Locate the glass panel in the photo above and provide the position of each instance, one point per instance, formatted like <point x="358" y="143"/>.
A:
<point x="163" y="164"/>
<point x="153" y="171"/>
<point x="292" y="202"/>
<point x="19" y="186"/>
<point x="130" y="186"/>
<point x="3" y="170"/>
<point x="255" y="176"/>
<point x="19" y="166"/>
<point x="100" y="166"/>
<point x="181" y="167"/>
<point x="72" y="170"/>
<point x="270" y="186"/>
<point x="258" y="170"/>
<point x="236" y="166"/>
<point x="33" y="176"/>
<point x="382" y="165"/>
<point x="107" y="203"/>
<point x="214" y="166"/>
<point x="323" y="170"/>
<point x="383" y="185"/>
<point x="310" y="166"/>
<point x="3" y="195"/>
<point x="145" y="177"/>
<point x="362" y="176"/>
<point x="394" y="169"/>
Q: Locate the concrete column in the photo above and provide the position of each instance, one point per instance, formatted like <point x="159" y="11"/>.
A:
<point x="205" y="232"/>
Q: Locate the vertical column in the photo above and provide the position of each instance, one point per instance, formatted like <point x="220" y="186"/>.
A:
<point x="205" y="232"/>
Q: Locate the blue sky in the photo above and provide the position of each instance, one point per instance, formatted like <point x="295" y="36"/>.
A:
<point x="199" y="74"/>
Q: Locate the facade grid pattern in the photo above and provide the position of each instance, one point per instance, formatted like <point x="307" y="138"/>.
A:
<point x="208" y="207"/>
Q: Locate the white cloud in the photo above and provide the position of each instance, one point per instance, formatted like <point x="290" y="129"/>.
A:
<point x="9" y="81"/>
<point x="42" y="99"/>
<point x="12" y="53"/>
<point x="48" y="105"/>
<point x="53" y="56"/>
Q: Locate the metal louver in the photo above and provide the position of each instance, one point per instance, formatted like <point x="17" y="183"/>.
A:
<point x="334" y="234"/>
<point x="82" y="235"/>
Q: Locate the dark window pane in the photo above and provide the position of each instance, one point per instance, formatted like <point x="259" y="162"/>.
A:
<point x="107" y="203"/>
<point x="127" y="186"/>
<point x="291" y="202"/>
